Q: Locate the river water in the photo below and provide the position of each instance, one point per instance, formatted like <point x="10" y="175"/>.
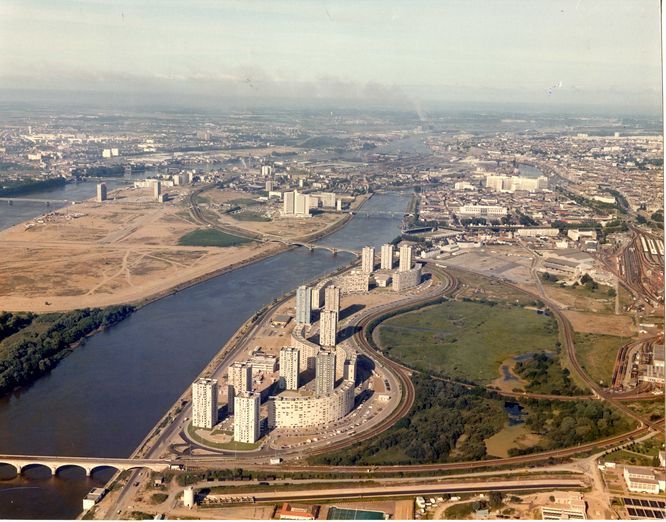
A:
<point x="20" y="211"/>
<point x="105" y="397"/>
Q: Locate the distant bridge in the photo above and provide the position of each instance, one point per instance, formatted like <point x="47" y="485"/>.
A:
<point x="33" y="200"/>
<point x="383" y="213"/>
<point x="88" y="464"/>
<point x="312" y="246"/>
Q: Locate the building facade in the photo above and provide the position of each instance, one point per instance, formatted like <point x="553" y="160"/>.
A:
<point x="246" y="417"/>
<point x="303" y="305"/>
<point x="204" y="403"/>
<point x="386" y="258"/>
<point x="325" y="373"/>
<point x="289" y="367"/>
<point x="405" y="258"/>
<point x="328" y="326"/>
<point x="368" y="260"/>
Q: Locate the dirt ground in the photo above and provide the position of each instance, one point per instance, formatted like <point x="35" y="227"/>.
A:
<point x="620" y="325"/>
<point x="97" y="254"/>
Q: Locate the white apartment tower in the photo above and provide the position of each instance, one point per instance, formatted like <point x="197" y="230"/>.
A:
<point x="405" y="258"/>
<point x="239" y="380"/>
<point x="332" y="299"/>
<point x="328" y="325"/>
<point x="325" y="373"/>
<point x="296" y="204"/>
<point x="246" y="417"/>
<point x="101" y="192"/>
<point x="157" y="189"/>
<point x="289" y="368"/>
<point x="288" y="205"/>
<point x="387" y="257"/>
<point x="368" y="260"/>
<point x="303" y="305"/>
<point x="204" y="403"/>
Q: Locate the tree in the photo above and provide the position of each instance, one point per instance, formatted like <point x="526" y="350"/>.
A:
<point x="495" y="499"/>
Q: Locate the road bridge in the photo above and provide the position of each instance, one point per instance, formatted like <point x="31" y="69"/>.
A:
<point x="88" y="464"/>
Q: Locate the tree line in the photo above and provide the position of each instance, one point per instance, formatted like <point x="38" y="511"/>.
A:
<point x="37" y="346"/>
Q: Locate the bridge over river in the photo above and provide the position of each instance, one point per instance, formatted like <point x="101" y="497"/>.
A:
<point x="88" y="464"/>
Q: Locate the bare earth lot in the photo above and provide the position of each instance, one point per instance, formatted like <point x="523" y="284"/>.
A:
<point x="97" y="254"/>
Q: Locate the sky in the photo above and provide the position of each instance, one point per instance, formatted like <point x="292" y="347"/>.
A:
<point x="551" y="52"/>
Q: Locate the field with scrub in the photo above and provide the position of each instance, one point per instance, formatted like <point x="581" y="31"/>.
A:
<point x="596" y="354"/>
<point x="466" y="340"/>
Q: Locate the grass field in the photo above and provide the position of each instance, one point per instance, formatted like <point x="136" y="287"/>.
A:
<point x="596" y="354"/>
<point x="250" y="216"/>
<point x="652" y="408"/>
<point x="464" y="339"/>
<point x="211" y="237"/>
<point x="581" y="297"/>
<point x="516" y="436"/>
<point x="476" y="286"/>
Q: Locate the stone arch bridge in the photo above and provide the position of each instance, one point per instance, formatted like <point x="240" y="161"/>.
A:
<point x="88" y="464"/>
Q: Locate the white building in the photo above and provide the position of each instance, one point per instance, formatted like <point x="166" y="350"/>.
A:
<point x="405" y="280"/>
<point x="239" y="380"/>
<point x="490" y="211"/>
<point x="101" y="192"/>
<point x="386" y="258"/>
<point x="325" y="373"/>
<point x="266" y="170"/>
<point x="328" y="325"/>
<point x="303" y="305"/>
<point x="538" y="232"/>
<point x="246" y="417"/>
<point x="405" y="258"/>
<point x="367" y="260"/>
<point x="642" y="479"/>
<point x="354" y="282"/>
<point x="332" y="299"/>
<point x="157" y="189"/>
<point x="298" y="410"/>
<point x="289" y="367"/>
<point x="296" y="204"/>
<point x="262" y="362"/>
<point x="204" y="403"/>
<point x="463" y="185"/>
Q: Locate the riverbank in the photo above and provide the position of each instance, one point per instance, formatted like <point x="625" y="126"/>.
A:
<point x="96" y="254"/>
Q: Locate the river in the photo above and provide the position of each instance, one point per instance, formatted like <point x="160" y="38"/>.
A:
<point x="20" y="211"/>
<point x="104" y="398"/>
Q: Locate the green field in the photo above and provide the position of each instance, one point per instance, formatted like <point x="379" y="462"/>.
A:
<point x="250" y="216"/>
<point x="596" y="354"/>
<point x="477" y="287"/>
<point x="466" y="340"/>
<point x="211" y="237"/>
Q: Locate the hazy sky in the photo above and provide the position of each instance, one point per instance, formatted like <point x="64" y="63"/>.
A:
<point x="592" y="51"/>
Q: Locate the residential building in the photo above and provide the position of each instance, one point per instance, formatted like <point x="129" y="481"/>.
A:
<point x="328" y="325"/>
<point x="368" y="260"/>
<point x="239" y="379"/>
<point x="289" y="368"/>
<point x="246" y="417"/>
<point x="325" y="373"/>
<point x="386" y="258"/>
<point x="405" y="258"/>
<point x="101" y="192"/>
<point x="332" y="299"/>
<point x="204" y="403"/>
<point x="303" y="305"/>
